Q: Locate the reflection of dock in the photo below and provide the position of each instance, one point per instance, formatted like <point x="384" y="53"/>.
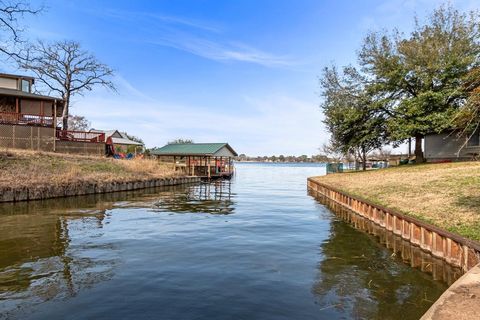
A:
<point x="216" y="191"/>
<point x="213" y="197"/>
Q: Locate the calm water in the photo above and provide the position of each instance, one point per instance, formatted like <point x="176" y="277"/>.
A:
<point x="259" y="247"/>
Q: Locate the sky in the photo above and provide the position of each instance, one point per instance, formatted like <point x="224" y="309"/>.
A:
<point x="238" y="71"/>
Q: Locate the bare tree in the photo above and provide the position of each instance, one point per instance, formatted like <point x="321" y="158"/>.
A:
<point x="331" y="151"/>
<point x="65" y="69"/>
<point x="10" y="13"/>
<point x="79" y="123"/>
<point x="180" y="141"/>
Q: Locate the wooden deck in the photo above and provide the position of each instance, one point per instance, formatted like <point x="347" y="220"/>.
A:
<point x="15" y="118"/>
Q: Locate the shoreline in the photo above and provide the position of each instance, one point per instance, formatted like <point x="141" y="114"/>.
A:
<point x="85" y="188"/>
<point x="29" y="175"/>
<point x="463" y="296"/>
<point x="453" y="248"/>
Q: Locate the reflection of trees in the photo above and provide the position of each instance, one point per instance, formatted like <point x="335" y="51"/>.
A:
<point x="361" y="278"/>
<point x="37" y="262"/>
<point x="215" y="198"/>
<point x="54" y="248"/>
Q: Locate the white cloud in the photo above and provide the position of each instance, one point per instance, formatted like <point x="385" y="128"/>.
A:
<point x="221" y="51"/>
<point x="277" y="124"/>
<point x="202" y="38"/>
<point x="160" y="19"/>
<point x="124" y="86"/>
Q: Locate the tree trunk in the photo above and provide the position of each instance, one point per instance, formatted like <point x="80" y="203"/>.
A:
<point x="364" y="160"/>
<point x="66" y="102"/>
<point x="418" y="149"/>
<point x="409" y="147"/>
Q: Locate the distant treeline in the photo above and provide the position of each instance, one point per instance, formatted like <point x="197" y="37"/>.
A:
<point x="282" y="158"/>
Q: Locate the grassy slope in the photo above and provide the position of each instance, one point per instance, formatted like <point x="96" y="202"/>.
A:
<point x="446" y="195"/>
<point x="25" y="168"/>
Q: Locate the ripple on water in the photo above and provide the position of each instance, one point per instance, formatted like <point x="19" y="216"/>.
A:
<point x="256" y="247"/>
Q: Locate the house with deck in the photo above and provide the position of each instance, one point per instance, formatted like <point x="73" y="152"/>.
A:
<point x="451" y="146"/>
<point x="19" y="106"/>
<point x="206" y="160"/>
<point x="29" y="121"/>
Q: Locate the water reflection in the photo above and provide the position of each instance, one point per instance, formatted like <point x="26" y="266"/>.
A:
<point x="372" y="282"/>
<point x="274" y="258"/>
<point x="44" y="252"/>
<point x="46" y="247"/>
<point x="213" y="198"/>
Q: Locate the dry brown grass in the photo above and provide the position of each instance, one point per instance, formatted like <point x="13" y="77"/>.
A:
<point x="29" y="168"/>
<point x="446" y="195"/>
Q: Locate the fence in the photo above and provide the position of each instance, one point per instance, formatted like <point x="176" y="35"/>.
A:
<point x="80" y="136"/>
<point x="334" y="167"/>
<point x="27" y="137"/>
<point x="40" y="138"/>
<point x="80" y="147"/>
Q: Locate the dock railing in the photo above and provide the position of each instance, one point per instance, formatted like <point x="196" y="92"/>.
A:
<point x="81" y="136"/>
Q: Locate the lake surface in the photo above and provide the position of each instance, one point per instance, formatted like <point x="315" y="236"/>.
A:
<point x="258" y="247"/>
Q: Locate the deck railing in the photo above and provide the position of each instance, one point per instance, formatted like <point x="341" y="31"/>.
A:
<point x="25" y="119"/>
<point x="82" y="136"/>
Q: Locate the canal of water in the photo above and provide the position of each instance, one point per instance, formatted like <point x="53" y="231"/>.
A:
<point x="257" y="247"/>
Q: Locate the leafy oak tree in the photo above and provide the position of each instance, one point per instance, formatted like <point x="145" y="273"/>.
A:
<point x="356" y="124"/>
<point x="417" y="80"/>
<point x="468" y="117"/>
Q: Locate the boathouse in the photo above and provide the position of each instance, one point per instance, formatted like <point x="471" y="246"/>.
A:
<point x="206" y="160"/>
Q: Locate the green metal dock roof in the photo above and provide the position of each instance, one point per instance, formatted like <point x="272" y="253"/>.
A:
<point x="192" y="149"/>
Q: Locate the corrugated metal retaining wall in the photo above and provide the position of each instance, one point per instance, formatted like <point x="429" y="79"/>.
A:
<point x="453" y="248"/>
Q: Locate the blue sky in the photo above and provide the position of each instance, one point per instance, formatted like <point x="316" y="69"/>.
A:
<point x="243" y="71"/>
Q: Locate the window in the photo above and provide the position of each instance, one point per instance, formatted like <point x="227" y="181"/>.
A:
<point x="474" y="140"/>
<point x="25" y="85"/>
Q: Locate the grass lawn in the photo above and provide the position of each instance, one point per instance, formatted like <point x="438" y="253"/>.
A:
<point x="446" y="195"/>
<point x="19" y="168"/>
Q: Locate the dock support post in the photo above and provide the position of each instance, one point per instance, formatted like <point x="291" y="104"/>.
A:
<point x="208" y="166"/>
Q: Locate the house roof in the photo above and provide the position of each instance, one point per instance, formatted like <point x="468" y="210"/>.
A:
<point x="123" y="139"/>
<point x="193" y="149"/>
<point x="22" y="94"/>
<point x="15" y="76"/>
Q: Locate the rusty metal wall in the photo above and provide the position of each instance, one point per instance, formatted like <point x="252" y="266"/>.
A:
<point x="454" y="249"/>
<point x="410" y="253"/>
<point x="26" y="137"/>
